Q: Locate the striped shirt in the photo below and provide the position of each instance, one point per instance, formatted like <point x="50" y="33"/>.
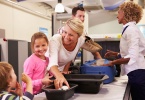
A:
<point x="4" y="95"/>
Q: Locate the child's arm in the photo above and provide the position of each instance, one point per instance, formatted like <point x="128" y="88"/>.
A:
<point x="29" y="70"/>
<point x="26" y="79"/>
<point x="29" y="87"/>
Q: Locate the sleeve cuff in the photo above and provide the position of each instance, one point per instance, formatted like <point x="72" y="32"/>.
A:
<point x="119" y="56"/>
<point x="29" y="95"/>
<point x="131" y="61"/>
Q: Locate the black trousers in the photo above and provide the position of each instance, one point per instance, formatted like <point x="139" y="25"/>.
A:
<point x="136" y="80"/>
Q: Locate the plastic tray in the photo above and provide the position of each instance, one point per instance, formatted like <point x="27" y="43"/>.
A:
<point x="87" y="68"/>
<point x="87" y="83"/>
<point x="53" y="94"/>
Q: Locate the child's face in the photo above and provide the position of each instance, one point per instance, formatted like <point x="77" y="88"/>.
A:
<point x="13" y="79"/>
<point x="40" y="47"/>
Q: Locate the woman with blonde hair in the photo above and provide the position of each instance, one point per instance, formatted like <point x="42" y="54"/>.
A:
<point x="63" y="49"/>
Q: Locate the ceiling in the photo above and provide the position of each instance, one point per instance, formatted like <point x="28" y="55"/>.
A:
<point x="69" y="4"/>
<point x="97" y="9"/>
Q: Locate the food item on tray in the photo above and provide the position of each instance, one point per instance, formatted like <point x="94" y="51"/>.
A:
<point x="63" y="88"/>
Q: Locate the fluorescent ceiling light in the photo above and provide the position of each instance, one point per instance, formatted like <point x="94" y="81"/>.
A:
<point x="59" y="8"/>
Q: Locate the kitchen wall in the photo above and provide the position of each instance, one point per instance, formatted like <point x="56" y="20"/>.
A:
<point x="20" y="22"/>
<point x="143" y="19"/>
<point x="106" y="28"/>
<point x="109" y="27"/>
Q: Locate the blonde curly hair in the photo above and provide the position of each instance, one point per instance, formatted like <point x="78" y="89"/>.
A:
<point x="132" y="11"/>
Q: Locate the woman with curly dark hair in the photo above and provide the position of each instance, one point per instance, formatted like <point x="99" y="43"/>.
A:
<point x="132" y="49"/>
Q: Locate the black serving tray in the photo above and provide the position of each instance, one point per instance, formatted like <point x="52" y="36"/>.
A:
<point x="54" y="94"/>
<point x="87" y="83"/>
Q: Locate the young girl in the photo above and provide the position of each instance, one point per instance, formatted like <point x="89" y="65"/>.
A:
<point x="36" y="64"/>
<point x="10" y="89"/>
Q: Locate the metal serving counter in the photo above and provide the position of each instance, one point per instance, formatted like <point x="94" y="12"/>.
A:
<point x="113" y="91"/>
<point x="106" y="39"/>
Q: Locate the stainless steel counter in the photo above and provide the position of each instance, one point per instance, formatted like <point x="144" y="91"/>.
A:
<point x="112" y="91"/>
<point x="106" y="39"/>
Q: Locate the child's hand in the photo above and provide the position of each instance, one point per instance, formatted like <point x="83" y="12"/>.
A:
<point x="26" y="79"/>
<point x="46" y="80"/>
<point x="18" y="90"/>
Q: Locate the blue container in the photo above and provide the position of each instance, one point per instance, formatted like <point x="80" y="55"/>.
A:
<point x="87" y="68"/>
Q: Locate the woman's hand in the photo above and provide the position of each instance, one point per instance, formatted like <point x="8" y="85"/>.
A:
<point x="110" y="54"/>
<point x="59" y="78"/>
<point x="58" y="82"/>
